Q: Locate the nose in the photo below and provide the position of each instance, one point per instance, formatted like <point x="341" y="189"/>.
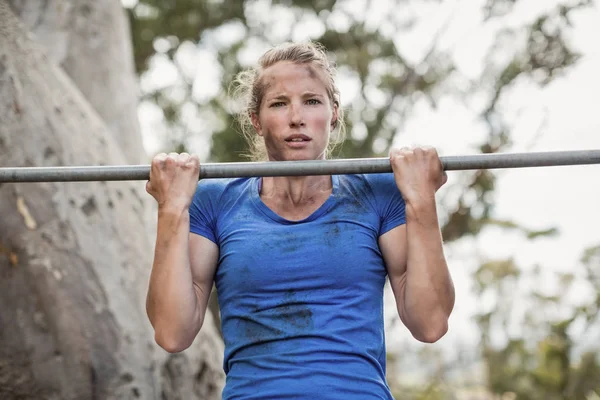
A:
<point x="296" y="117"/>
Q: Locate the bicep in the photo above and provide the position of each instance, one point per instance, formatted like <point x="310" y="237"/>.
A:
<point x="204" y="255"/>
<point x="393" y="248"/>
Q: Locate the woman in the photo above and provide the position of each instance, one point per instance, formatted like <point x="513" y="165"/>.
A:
<point x="299" y="262"/>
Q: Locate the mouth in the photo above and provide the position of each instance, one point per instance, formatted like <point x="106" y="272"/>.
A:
<point x="298" y="138"/>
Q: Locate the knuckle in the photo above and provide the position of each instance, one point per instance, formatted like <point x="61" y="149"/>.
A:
<point x="159" y="158"/>
<point x="431" y="151"/>
<point x="183" y="157"/>
<point x="395" y="156"/>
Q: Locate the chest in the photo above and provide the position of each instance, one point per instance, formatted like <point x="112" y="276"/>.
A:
<point x="339" y="250"/>
<point x="299" y="211"/>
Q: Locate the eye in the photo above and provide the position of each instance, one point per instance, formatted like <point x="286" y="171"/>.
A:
<point x="277" y="104"/>
<point x="313" y="101"/>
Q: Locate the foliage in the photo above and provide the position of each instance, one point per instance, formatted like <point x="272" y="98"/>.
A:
<point x="538" y="362"/>
<point x="388" y="85"/>
<point x="539" y="356"/>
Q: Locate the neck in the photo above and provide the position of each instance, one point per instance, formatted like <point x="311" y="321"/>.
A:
<point x="295" y="189"/>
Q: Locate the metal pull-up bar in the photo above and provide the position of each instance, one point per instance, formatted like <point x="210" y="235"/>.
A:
<point x="298" y="168"/>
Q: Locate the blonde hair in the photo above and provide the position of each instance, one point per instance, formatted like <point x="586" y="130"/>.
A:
<point x="249" y="90"/>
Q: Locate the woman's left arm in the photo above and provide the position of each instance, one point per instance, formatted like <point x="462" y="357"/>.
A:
<point x="413" y="253"/>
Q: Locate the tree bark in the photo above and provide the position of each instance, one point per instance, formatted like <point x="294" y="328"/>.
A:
<point x="75" y="257"/>
<point x="91" y="41"/>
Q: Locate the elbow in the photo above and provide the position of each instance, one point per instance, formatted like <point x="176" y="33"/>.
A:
<point x="170" y="343"/>
<point x="171" y="336"/>
<point x="431" y="333"/>
<point x="174" y="339"/>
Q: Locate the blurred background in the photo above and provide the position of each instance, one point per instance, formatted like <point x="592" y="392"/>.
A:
<point x="465" y="76"/>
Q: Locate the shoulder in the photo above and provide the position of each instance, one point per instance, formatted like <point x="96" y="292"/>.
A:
<point x="377" y="190"/>
<point x="373" y="184"/>
<point x="381" y="188"/>
<point x="215" y="192"/>
<point x="220" y="186"/>
<point x="383" y="180"/>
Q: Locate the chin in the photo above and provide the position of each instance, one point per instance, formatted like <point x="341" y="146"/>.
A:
<point x="301" y="156"/>
<point x="297" y="155"/>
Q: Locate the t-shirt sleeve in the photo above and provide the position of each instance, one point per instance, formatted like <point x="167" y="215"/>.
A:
<point x="203" y="210"/>
<point x="388" y="201"/>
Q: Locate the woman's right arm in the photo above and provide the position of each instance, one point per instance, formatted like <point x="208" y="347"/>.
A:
<point x="184" y="263"/>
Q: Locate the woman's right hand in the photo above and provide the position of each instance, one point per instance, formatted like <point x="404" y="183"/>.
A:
<point x="173" y="179"/>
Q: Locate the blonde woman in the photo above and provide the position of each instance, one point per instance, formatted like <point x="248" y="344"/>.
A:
<point x="299" y="262"/>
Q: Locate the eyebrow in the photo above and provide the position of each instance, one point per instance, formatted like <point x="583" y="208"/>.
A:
<point x="311" y="94"/>
<point x="305" y="94"/>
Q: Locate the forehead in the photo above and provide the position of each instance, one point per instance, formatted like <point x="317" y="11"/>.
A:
<point x="289" y="76"/>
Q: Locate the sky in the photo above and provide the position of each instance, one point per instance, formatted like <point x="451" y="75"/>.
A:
<point x="564" y="115"/>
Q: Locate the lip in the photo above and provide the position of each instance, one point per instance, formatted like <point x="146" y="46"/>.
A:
<point x="304" y="138"/>
<point x="300" y="144"/>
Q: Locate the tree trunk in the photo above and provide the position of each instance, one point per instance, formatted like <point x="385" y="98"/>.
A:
<point x="91" y="41"/>
<point x="75" y="257"/>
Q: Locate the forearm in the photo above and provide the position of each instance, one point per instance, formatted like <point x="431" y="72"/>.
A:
<point x="172" y="303"/>
<point x="428" y="291"/>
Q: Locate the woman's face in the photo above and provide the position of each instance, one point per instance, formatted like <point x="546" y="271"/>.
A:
<point x="296" y="115"/>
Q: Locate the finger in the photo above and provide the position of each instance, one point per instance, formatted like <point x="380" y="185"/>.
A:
<point x="194" y="159"/>
<point x="172" y="158"/>
<point x="149" y="187"/>
<point x="444" y="178"/>
<point x="400" y="151"/>
<point x="407" y="151"/>
<point x="194" y="162"/>
<point x="159" y="158"/>
<point x="426" y="152"/>
<point x="183" y="158"/>
<point x="419" y="152"/>
<point x="158" y="163"/>
<point x="435" y="155"/>
<point x="432" y="152"/>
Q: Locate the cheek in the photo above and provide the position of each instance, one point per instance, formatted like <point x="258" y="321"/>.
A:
<point x="269" y="119"/>
<point x="322" y="119"/>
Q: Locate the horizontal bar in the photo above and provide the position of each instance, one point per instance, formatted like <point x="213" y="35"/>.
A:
<point x="299" y="168"/>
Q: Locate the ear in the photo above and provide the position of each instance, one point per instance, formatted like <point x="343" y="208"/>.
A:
<point x="334" y="116"/>
<point x="256" y="123"/>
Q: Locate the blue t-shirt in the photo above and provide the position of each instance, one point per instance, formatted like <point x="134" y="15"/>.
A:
<point x="301" y="301"/>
